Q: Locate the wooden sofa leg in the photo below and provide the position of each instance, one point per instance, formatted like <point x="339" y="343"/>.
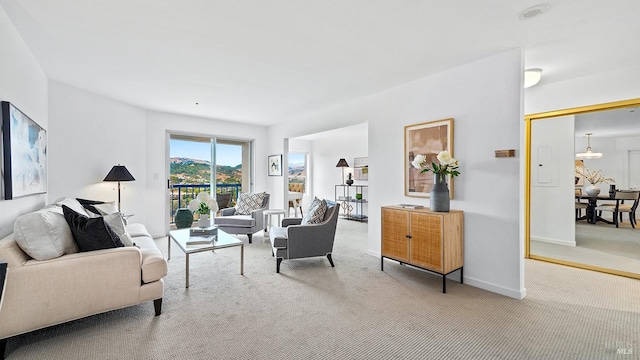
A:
<point x="278" y="261"/>
<point x="157" y="305"/>
<point x="3" y="346"/>
<point x="250" y="237"/>
<point x="330" y="260"/>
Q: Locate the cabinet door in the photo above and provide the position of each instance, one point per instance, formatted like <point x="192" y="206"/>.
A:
<point x="395" y="228"/>
<point x="426" y="241"/>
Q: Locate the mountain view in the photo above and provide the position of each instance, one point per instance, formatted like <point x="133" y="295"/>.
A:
<point x="193" y="171"/>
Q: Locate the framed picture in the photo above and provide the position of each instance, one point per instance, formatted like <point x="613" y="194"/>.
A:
<point x="579" y="179"/>
<point x="361" y="168"/>
<point x="275" y="165"/>
<point x="427" y="139"/>
<point x="25" y="153"/>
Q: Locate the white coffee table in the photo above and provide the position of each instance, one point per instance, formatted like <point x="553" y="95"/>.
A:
<point x="223" y="240"/>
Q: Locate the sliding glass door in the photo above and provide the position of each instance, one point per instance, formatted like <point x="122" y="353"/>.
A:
<point x="205" y="164"/>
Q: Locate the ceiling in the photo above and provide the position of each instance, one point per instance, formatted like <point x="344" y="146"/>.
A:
<point x="262" y="62"/>
<point x="609" y="123"/>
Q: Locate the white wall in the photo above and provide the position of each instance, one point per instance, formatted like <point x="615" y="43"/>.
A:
<point x="23" y="83"/>
<point x="552" y="181"/>
<point x="623" y="147"/>
<point x="484" y="98"/>
<point x="332" y="147"/>
<point x="89" y="134"/>
<point x="158" y="125"/>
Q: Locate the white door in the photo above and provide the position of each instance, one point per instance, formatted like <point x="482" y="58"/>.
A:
<point x="634" y="169"/>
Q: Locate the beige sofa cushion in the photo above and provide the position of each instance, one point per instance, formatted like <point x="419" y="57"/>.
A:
<point x="44" y="235"/>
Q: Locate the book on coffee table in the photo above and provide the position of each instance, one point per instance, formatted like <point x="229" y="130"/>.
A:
<point x="201" y="240"/>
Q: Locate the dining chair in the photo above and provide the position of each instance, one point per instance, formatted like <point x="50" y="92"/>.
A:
<point x="579" y="205"/>
<point x="620" y="207"/>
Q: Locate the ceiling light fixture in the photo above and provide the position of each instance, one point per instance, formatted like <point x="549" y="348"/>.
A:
<point x="588" y="154"/>
<point x="532" y="77"/>
<point x="533" y="11"/>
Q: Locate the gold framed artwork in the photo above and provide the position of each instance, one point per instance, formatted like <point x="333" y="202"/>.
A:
<point x="428" y="139"/>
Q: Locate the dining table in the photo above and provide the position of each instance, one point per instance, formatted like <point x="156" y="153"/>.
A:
<point x="591" y="214"/>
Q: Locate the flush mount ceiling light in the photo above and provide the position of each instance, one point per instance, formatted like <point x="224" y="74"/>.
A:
<point x="533" y="11"/>
<point x="588" y="154"/>
<point x="532" y="77"/>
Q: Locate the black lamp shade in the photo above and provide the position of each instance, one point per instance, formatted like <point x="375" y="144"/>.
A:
<point x="119" y="173"/>
<point x="342" y="163"/>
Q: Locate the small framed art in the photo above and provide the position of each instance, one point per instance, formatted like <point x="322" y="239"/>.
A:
<point x="275" y="165"/>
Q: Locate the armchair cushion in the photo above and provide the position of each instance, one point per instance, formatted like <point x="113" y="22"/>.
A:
<point x="316" y="212"/>
<point x="248" y="202"/>
<point x="236" y="220"/>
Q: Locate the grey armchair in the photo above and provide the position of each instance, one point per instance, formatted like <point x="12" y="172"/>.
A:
<point x="233" y="223"/>
<point x="294" y="241"/>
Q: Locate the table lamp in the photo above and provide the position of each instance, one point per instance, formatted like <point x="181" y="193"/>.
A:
<point x="119" y="173"/>
<point x="342" y="163"/>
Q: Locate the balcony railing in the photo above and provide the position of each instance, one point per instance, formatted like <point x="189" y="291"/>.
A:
<point x="181" y="194"/>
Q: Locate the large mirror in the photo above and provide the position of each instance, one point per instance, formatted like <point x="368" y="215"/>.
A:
<point x="583" y="164"/>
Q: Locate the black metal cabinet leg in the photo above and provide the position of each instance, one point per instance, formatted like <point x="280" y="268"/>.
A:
<point x="461" y="275"/>
<point x="381" y="263"/>
<point x="444" y="284"/>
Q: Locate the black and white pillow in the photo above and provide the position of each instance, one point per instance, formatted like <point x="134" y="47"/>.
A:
<point x="90" y="233"/>
<point x="316" y="212"/>
<point x="249" y="202"/>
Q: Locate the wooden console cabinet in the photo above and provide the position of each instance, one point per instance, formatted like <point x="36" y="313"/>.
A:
<point x="423" y="238"/>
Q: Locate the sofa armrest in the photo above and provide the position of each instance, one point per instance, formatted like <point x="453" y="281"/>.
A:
<point x="291" y="221"/>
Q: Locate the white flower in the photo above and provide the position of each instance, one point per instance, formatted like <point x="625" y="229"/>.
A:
<point x="418" y="161"/>
<point x="444" y="157"/>
<point x="213" y="205"/>
<point x="194" y="205"/>
<point x="203" y="197"/>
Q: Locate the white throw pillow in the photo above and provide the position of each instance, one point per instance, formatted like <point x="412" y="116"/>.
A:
<point x="117" y="225"/>
<point x="249" y="202"/>
<point x="72" y="204"/>
<point x="44" y="235"/>
<point x="316" y="212"/>
<point x="107" y="208"/>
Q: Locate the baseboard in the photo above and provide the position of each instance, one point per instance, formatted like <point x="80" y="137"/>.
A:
<point x="554" y="241"/>
<point x="516" y="294"/>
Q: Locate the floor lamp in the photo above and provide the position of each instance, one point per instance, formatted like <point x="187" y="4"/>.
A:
<point x="119" y="173"/>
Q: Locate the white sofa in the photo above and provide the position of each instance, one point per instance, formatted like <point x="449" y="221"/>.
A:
<point x="41" y="293"/>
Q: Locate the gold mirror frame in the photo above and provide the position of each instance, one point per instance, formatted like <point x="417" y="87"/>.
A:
<point x="527" y="181"/>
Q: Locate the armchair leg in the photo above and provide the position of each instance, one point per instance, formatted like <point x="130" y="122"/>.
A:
<point x="278" y="261"/>
<point x="330" y="260"/>
<point x="3" y="347"/>
<point x="250" y="237"/>
<point x="157" y="305"/>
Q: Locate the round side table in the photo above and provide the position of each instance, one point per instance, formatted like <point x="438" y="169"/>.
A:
<point x="268" y="215"/>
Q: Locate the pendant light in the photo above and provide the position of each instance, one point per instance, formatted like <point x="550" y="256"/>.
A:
<point x="588" y="154"/>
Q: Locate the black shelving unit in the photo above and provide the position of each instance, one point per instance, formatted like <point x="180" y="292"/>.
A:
<point x="353" y="201"/>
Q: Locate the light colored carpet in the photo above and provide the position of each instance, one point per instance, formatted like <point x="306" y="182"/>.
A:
<point x="352" y="311"/>
<point x="601" y="245"/>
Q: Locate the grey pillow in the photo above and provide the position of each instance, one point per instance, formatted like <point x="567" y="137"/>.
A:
<point x="249" y="202"/>
<point x="316" y="212"/>
<point x="44" y="235"/>
<point x="117" y="224"/>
